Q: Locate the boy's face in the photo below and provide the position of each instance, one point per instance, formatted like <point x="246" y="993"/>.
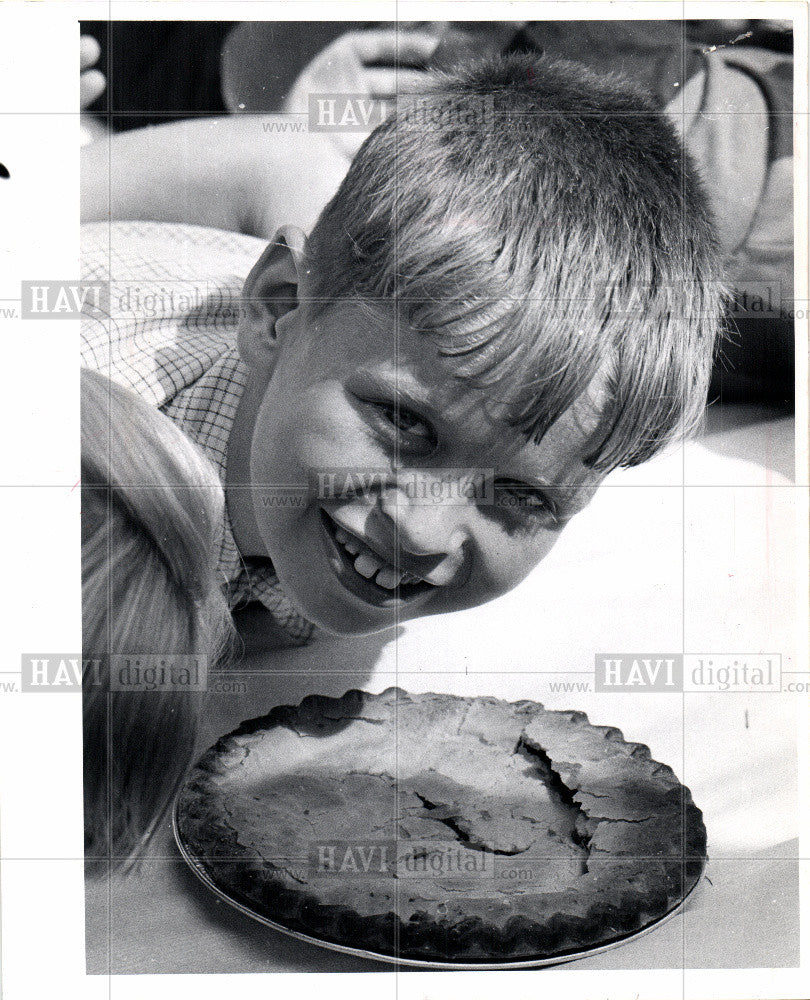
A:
<point x="341" y="545"/>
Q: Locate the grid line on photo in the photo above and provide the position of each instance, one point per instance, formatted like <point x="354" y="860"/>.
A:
<point x="286" y="488"/>
<point x="683" y="252"/>
<point x="262" y="115"/>
<point x="157" y="856"/>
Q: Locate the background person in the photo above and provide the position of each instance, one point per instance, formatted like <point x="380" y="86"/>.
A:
<point x="151" y="515"/>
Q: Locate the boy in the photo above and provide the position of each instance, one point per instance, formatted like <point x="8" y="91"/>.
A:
<point x="501" y="309"/>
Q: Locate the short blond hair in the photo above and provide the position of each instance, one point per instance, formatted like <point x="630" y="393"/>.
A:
<point x="549" y="231"/>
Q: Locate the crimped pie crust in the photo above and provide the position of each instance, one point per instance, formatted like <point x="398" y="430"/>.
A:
<point x="604" y="840"/>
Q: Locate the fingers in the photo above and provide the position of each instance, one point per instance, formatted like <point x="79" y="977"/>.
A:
<point x="89" y="51"/>
<point x="91" y="86"/>
<point x="91" y="81"/>
<point x="390" y="46"/>
<point x="388" y="83"/>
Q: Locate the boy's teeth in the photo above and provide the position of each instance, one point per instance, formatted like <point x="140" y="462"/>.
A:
<point x="366" y="565"/>
<point x="388" y="578"/>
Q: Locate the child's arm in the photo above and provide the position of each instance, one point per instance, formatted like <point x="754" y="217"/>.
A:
<point x="242" y="173"/>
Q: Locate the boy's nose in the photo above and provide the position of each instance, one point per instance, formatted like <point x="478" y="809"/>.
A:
<point x="434" y="533"/>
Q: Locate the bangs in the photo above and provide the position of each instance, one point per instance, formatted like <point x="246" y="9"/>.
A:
<point x="537" y="331"/>
<point x="537" y="356"/>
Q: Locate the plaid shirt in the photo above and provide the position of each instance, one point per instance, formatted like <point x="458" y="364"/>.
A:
<point x="168" y="331"/>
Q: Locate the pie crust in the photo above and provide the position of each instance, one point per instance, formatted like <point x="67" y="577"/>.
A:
<point x="553" y="836"/>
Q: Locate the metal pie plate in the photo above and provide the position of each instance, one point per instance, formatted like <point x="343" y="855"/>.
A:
<point x="203" y="875"/>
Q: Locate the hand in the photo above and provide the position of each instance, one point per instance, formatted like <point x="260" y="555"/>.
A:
<point x="378" y="64"/>
<point x="91" y="81"/>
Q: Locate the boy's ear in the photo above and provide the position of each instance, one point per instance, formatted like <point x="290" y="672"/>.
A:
<point x="270" y="291"/>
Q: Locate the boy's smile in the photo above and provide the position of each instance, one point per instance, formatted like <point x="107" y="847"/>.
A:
<point x="384" y="488"/>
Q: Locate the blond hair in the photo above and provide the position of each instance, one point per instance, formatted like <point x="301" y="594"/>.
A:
<point x="545" y="228"/>
<point x="152" y="509"/>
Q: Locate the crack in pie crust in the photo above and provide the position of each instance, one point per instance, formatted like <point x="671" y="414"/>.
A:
<point x="552" y="835"/>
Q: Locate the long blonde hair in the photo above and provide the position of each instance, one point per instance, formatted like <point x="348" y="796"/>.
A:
<point x="152" y="509"/>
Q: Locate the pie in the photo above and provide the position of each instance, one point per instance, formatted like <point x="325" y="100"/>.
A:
<point x="439" y="828"/>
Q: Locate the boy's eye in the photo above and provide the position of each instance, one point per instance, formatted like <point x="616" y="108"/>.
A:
<point x="406" y="421"/>
<point x="523" y="499"/>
